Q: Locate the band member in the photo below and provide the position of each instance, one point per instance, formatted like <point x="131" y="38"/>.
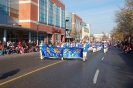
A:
<point x="105" y="47"/>
<point x="85" y="50"/>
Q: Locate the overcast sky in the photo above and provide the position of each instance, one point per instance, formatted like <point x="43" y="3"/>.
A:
<point x="98" y="13"/>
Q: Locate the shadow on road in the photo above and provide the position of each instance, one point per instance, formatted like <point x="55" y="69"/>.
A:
<point x="125" y="68"/>
<point x="10" y="73"/>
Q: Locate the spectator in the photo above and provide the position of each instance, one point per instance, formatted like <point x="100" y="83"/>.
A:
<point x="1" y="49"/>
<point x="21" y="50"/>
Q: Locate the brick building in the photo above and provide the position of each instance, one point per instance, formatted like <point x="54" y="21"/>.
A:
<point x="34" y="20"/>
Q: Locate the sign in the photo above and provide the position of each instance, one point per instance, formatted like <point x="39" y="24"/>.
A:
<point x="56" y="30"/>
<point x="52" y="51"/>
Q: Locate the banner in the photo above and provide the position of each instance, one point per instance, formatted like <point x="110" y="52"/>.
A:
<point x="51" y="52"/>
<point x="73" y="52"/>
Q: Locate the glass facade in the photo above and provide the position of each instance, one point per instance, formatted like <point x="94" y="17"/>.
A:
<point x="26" y="36"/>
<point x="42" y="11"/>
<point x="49" y="38"/>
<point x="34" y="36"/>
<point x="56" y="37"/>
<point x="62" y="18"/>
<point x="1" y="34"/>
<point x="77" y="25"/>
<point x="57" y="16"/>
<point x="3" y="14"/>
<point x="68" y="19"/>
<point x="12" y="36"/>
<point x="9" y="12"/>
<point x="51" y="13"/>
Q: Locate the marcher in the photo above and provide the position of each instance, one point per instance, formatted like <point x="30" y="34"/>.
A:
<point x="105" y="47"/>
<point x="85" y="50"/>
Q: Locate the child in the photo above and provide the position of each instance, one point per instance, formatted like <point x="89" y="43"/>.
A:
<point x="22" y="50"/>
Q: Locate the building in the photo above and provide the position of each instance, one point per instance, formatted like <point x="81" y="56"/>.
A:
<point x="68" y="19"/>
<point x="47" y="16"/>
<point x="76" y="27"/>
<point x="98" y="37"/>
<point x="89" y="28"/>
<point x="85" y="33"/>
<point x="102" y="37"/>
<point x="33" y="20"/>
<point x="9" y="16"/>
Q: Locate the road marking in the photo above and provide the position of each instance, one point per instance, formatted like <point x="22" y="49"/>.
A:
<point x="96" y="76"/>
<point x="102" y="58"/>
<point x="29" y="73"/>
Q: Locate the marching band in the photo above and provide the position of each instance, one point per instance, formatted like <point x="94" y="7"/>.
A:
<point x="87" y="47"/>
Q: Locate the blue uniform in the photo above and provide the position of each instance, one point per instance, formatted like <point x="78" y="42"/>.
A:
<point x="85" y="48"/>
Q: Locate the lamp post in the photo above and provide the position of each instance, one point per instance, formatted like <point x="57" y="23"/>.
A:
<point x="66" y="26"/>
<point x="89" y="32"/>
<point x="37" y="33"/>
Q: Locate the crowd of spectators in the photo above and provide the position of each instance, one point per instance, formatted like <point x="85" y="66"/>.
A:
<point x="18" y="47"/>
<point x="125" y="46"/>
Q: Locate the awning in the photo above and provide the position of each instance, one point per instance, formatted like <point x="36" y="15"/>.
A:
<point x="19" y="28"/>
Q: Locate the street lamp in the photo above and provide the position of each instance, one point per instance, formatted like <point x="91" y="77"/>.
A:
<point x="37" y="33"/>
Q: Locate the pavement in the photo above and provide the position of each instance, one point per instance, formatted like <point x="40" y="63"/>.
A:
<point x="111" y="70"/>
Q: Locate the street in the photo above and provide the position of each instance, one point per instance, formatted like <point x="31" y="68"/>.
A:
<point x="111" y="70"/>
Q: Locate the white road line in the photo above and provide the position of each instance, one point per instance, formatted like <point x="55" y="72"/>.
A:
<point x="96" y="76"/>
<point x="102" y="58"/>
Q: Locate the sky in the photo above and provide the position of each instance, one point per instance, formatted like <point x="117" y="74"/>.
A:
<point x="100" y="14"/>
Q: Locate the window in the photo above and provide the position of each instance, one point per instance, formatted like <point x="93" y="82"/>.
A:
<point x="56" y="37"/>
<point x="57" y="16"/>
<point x="1" y="35"/>
<point x="63" y="18"/>
<point x="3" y="10"/>
<point x="49" y="38"/>
<point x="42" y="11"/>
<point x="12" y="36"/>
<point x="51" y="13"/>
<point x="34" y="36"/>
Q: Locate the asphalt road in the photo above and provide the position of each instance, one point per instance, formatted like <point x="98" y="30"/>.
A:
<point x="111" y="70"/>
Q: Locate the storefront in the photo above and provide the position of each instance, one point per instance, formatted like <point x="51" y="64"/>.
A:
<point x="15" y="34"/>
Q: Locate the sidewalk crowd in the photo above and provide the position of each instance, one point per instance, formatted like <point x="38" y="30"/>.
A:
<point x="18" y="47"/>
<point x="125" y="46"/>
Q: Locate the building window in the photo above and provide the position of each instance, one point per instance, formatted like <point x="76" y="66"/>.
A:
<point x="42" y="11"/>
<point x="34" y="36"/>
<point x="51" y="13"/>
<point x="57" y="16"/>
<point x="12" y="36"/>
<point x="1" y="34"/>
<point x="56" y="37"/>
<point x="3" y="10"/>
<point x="49" y="38"/>
<point x="62" y="18"/>
<point x="26" y="36"/>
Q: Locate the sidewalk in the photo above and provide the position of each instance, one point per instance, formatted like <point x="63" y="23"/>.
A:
<point x="129" y="54"/>
<point x="14" y="55"/>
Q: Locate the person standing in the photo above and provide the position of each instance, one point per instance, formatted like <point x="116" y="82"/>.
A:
<point x="85" y="50"/>
<point x="105" y="47"/>
<point x="1" y="49"/>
